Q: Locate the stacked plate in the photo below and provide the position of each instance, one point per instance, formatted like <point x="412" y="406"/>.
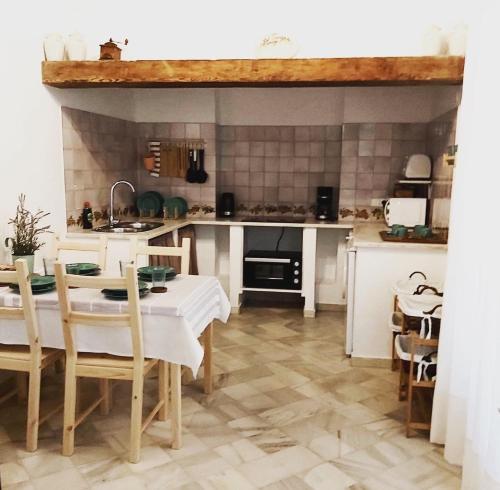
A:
<point x="175" y="207"/>
<point x="121" y="294"/>
<point x="39" y="284"/>
<point x="146" y="273"/>
<point x="84" y="269"/>
<point x="150" y="203"/>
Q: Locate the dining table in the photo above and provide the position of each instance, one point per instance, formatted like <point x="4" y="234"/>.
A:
<point x="172" y="323"/>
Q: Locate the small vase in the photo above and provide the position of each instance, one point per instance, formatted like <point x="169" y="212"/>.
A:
<point x="53" y="46"/>
<point x="434" y="42"/>
<point x="457" y="40"/>
<point x="76" y="49"/>
<point x="30" y="259"/>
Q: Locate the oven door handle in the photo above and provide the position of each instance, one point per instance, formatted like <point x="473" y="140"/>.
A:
<point x="267" y="260"/>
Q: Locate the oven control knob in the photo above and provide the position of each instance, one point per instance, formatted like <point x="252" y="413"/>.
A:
<point x="296" y="272"/>
<point x="296" y="264"/>
<point x="295" y="281"/>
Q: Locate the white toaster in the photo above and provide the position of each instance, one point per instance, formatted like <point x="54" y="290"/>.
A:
<point x="417" y="166"/>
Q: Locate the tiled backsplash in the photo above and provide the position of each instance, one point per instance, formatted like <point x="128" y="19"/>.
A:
<point x="98" y="150"/>
<point x="269" y="167"/>
<point x="200" y="197"/>
<point x="372" y="161"/>
<point x="440" y="135"/>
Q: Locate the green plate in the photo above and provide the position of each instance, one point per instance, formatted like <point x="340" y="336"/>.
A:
<point x="148" y="270"/>
<point x="123" y="298"/>
<point x="123" y="292"/>
<point x="83" y="267"/>
<point x="40" y="282"/>
<point x="46" y="289"/>
<point x="150" y="202"/>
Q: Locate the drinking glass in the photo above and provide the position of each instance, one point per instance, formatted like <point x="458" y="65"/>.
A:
<point x="123" y="266"/>
<point x="159" y="275"/>
<point x="48" y="265"/>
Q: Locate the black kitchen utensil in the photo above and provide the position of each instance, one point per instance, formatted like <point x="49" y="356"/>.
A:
<point x="191" y="173"/>
<point x="201" y="175"/>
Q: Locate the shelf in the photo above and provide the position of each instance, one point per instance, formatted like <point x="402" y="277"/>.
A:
<point x="267" y="290"/>
<point x="422" y="70"/>
<point x="414" y="181"/>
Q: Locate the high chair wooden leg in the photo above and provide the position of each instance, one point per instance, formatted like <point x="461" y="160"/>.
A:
<point x="33" y="409"/>
<point x="163" y="389"/>
<point x="136" y="417"/>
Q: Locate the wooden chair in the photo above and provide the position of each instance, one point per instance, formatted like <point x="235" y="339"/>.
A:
<point x="31" y="359"/>
<point x="108" y="367"/>
<point x="183" y="252"/>
<point x="100" y="247"/>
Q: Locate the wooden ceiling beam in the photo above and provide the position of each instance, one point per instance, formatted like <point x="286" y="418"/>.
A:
<point x="422" y="70"/>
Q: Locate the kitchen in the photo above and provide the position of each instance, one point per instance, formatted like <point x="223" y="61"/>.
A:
<point x="270" y="148"/>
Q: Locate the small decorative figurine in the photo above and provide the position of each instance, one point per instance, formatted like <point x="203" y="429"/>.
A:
<point x="111" y="51"/>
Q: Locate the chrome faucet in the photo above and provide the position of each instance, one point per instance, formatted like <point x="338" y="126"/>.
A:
<point x="112" y="220"/>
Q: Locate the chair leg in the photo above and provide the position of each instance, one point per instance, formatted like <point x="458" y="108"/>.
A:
<point x="22" y="388"/>
<point x="207" y="358"/>
<point x="105" y="391"/>
<point x="175" y="393"/>
<point x="136" y="417"/>
<point x="33" y="409"/>
<point x="70" y="392"/>
<point x="402" y="384"/>
<point x="163" y="389"/>
<point x="394" y="364"/>
<point x="59" y="366"/>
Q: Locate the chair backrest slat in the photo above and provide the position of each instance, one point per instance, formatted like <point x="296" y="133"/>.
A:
<point x="26" y="312"/>
<point x="99" y="320"/>
<point x="100" y="247"/>
<point x="183" y="252"/>
<point x="71" y="318"/>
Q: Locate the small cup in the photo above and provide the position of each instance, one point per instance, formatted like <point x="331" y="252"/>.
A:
<point x="48" y="266"/>
<point x="399" y="230"/>
<point x="422" y="231"/>
<point x="123" y="266"/>
<point x="158" y="277"/>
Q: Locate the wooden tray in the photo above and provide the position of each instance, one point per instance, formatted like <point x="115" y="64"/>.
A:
<point x="410" y="238"/>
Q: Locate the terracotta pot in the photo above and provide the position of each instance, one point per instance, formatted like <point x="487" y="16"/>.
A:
<point x="149" y="162"/>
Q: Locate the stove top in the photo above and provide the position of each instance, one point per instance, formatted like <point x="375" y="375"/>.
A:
<point x="274" y="219"/>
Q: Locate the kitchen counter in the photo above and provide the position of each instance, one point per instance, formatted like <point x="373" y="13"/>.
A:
<point x="172" y="225"/>
<point x="368" y="235"/>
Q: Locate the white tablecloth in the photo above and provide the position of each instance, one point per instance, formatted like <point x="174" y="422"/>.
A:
<point x="172" y="321"/>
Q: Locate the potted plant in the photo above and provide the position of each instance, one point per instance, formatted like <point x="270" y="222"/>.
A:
<point x="27" y="231"/>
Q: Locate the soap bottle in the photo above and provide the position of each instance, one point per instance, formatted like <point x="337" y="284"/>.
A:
<point x="87" y="216"/>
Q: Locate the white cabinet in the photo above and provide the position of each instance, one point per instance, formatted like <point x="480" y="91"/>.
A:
<point x="370" y="299"/>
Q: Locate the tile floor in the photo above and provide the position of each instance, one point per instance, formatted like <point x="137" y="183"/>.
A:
<point x="289" y="413"/>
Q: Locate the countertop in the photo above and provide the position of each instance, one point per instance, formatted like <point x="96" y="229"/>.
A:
<point x="171" y="225"/>
<point x="363" y="234"/>
<point x="368" y="235"/>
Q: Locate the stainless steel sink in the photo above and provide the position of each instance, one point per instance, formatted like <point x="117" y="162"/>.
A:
<point x="128" y="227"/>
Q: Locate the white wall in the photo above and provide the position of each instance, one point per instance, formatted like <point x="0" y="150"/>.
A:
<point x="30" y="132"/>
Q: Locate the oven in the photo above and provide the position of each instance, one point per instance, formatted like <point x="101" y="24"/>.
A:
<point x="272" y="270"/>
